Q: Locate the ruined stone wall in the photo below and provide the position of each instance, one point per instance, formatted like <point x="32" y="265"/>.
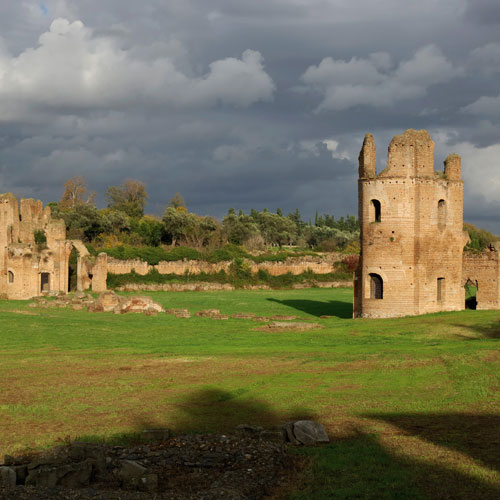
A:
<point x="414" y="236"/>
<point x="24" y="264"/>
<point x="292" y="265"/>
<point x="483" y="270"/>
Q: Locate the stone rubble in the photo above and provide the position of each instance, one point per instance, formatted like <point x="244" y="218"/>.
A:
<point x="245" y="464"/>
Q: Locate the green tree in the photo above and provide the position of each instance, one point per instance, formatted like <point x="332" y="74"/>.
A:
<point x="130" y="197"/>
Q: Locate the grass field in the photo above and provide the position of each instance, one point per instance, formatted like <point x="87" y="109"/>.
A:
<point x="412" y="404"/>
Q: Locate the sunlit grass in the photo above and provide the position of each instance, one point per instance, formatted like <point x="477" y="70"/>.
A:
<point x="384" y="389"/>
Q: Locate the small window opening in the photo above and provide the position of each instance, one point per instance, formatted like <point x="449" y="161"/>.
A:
<point x="376" y="211"/>
<point x="376" y="287"/>
<point x="11" y="277"/>
<point x="441" y="214"/>
<point x="440" y="289"/>
<point x="45" y="282"/>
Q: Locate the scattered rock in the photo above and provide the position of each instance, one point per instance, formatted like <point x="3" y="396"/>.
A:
<point x="308" y="432"/>
<point x="74" y="475"/>
<point x="201" y="466"/>
<point x="261" y="318"/>
<point x="219" y="316"/>
<point x="207" y="313"/>
<point x="243" y="315"/>
<point x="283" y="317"/>
<point x="284" y="325"/>
<point x="7" y="477"/>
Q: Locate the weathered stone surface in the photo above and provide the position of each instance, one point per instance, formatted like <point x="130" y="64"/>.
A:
<point x="7" y="476"/>
<point x="75" y="475"/>
<point x="130" y="468"/>
<point x="207" y="313"/>
<point x="28" y="268"/>
<point x="243" y="315"/>
<point x="308" y="432"/>
<point x="283" y="317"/>
<point x="412" y="239"/>
<point x="299" y="325"/>
<point x="261" y="319"/>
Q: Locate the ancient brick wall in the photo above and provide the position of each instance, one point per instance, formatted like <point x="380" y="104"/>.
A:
<point x="412" y="239"/>
<point x="28" y="269"/>
<point x="483" y="270"/>
<point x="292" y="265"/>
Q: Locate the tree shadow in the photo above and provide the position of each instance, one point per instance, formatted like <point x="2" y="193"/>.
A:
<point x="318" y="308"/>
<point x="491" y="331"/>
<point x="477" y="436"/>
<point x="215" y="410"/>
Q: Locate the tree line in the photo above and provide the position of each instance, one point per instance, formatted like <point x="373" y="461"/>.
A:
<point x="123" y="221"/>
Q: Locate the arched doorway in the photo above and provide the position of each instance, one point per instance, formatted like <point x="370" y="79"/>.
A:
<point x="470" y="294"/>
<point x="73" y="270"/>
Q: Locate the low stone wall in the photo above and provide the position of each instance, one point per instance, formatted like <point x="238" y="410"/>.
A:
<point x="294" y="265"/>
<point x="216" y="287"/>
<point x="483" y="270"/>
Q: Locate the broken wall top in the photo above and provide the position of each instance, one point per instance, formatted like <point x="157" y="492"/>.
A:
<point x="21" y="220"/>
<point x="410" y="154"/>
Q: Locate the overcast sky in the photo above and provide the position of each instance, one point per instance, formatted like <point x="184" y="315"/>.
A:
<point x="245" y="103"/>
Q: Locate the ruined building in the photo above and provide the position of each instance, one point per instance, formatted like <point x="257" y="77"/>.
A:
<point x="35" y="254"/>
<point x="412" y="238"/>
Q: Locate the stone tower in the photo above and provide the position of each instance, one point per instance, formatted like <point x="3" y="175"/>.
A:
<point x="412" y="238"/>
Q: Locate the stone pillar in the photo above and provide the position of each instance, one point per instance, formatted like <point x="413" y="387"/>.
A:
<point x="100" y="273"/>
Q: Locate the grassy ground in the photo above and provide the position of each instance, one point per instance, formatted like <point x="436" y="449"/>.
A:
<point x="412" y="404"/>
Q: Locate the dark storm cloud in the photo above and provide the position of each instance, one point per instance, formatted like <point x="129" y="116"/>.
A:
<point x="244" y="104"/>
<point x="483" y="11"/>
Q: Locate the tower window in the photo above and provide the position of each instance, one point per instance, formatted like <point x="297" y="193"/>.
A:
<point x="11" y="277"/>
<point x="376" y="287"/>
<point x="440" y="289"/>
<point x="376" y="211"/>
<point x="441" y="214"/>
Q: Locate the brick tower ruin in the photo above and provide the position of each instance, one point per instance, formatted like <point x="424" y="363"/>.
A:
<point x="412" y="238"/>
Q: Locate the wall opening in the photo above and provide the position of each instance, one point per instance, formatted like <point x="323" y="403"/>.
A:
<point x="441" y="214"/>
<point x="376" y="287"/>
<point x="11" y="277"/>
<point x="376" y="211"/>
<point x="440" y="289"/>
<point x="73" y="270"/>
<point x="471" y="294"/>
<point x="45" y="282"/>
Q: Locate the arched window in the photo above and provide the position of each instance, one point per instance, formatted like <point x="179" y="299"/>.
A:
<point x="441" y="214"/>
<point x="376" y="211"/>
<point x="376" y="287"/>
<point x="11" y="277"/>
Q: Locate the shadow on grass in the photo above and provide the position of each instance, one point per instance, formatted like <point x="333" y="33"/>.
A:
<point x="317" y="308"/>
<point x="491" y="331"/>
<point x="216" y="410"/>
<point x="359" y="466"/>
<point x="478" y="436"/>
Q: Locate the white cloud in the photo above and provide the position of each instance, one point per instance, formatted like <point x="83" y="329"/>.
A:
<point x="480" y="170"/>
<point x="375" y="81"/>
<point x="73" y="67"/>
<point x="485" y="106"/>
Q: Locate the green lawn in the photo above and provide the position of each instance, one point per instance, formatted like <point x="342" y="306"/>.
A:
<point x="412" y="404"/>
